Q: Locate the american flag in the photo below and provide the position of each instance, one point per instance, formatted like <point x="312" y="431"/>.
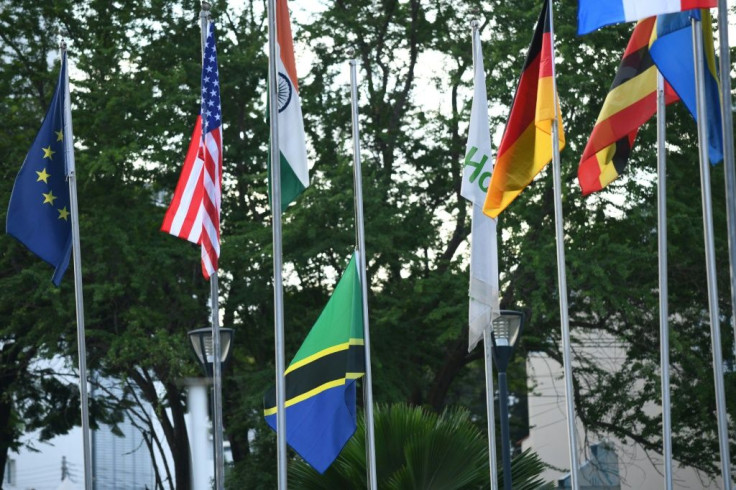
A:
<point x="194" y="213"/>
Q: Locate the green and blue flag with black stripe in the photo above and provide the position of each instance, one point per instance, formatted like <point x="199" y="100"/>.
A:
<point x="320" y="380"/>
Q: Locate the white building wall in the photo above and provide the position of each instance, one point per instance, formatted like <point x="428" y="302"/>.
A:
<point x="121" y="462"/>
<point x="639" y="469"/>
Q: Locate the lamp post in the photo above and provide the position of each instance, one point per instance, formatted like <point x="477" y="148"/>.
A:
<point x="201" y="340"/>
<point x="204" y="348"/>
<point x="506" y="329"/>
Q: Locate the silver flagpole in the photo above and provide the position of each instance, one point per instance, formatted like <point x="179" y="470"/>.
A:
<point x="664" y="329"/>
<point x="370" y="447"/>
<point x="728" y="160"/>
<point x="217" y="431"/>
<point x="715" y="327"/>
<point x="561" y="275"/>
<point x="78" y="293"/>
<point x="278" y="287"/>
<point x="217" y="387"/>
<point x="490" y="406"/>
<point x="487" y="350"/>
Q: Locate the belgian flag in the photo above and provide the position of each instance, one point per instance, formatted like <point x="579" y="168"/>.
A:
<point x="320" y="380"/>
<point x="526" y="146"/>
<point x="631" y="101"/>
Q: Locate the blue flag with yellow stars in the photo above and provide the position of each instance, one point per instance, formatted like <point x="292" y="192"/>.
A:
<point x="39" y="212"/>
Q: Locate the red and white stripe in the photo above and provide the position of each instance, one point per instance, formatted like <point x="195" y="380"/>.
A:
<point x="194" y="213"/>
<point x="211" y="201"/>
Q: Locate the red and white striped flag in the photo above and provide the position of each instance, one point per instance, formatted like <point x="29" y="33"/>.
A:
<point x="194" y="213"/>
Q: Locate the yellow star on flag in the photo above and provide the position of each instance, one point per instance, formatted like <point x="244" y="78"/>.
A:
<point x="59" y="135"/>
<point x="47" y="152"/>
<point x="63" y="213"/>
<point x="49" y="198"/>
<point x="42" y="175"/>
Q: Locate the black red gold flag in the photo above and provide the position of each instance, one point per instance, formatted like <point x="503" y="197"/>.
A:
<point x="526" y="146"/>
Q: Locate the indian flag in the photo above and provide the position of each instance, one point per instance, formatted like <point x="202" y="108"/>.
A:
<point x="294" y="170"/>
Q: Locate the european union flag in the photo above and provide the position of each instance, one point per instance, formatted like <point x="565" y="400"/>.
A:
<point x="320" y="381"/>
<point x="672" y="51"/>
<point x="39" y="211"/>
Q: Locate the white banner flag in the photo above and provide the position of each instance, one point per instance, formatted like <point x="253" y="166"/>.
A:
<point x="476" y="176"/>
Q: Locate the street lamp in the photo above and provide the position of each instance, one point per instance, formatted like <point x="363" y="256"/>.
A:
<point x="201" y="340"/>
<point x="204" y="347"/>
<point x="504" y="335"/>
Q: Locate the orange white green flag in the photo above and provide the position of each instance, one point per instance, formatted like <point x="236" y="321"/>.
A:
<point x="292" y="144"/>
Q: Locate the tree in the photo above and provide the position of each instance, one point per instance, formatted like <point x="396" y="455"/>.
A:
<point x="416" y="224"/>
<point x="37" y="319"/>
<point x="143" y="289"/>
<point x="136" y="84"/>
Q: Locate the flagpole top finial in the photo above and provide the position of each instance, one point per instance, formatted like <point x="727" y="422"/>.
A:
<point x="60" y="36"/>
<point x="474" y="23"/>
<point x="351" y="52"/>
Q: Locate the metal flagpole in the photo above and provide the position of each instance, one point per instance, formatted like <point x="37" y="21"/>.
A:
<point x="664" y="330"/>
<point x="561" y="276"/>
<point x="490" y="406"/>
<point x="217" y="387"/>
<point x="78" y="293"/>
<point x="217" y="430"/>
<point x="487" y="349"/>
<point x="728" y="157"/>
<point x="715" y="327"/>
<point x="370" y="447"/>
<point x="278" y="287"/>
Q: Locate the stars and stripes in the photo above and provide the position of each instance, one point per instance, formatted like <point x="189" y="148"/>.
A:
<point x="194" y="213"/>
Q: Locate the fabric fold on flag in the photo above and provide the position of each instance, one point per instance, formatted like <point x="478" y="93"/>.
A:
<point x="292" y="142"/>
<point x="594" y="14"/>
<point x="673" y="52"/>
<point x="477" y="171"/>
<point x="194" y="212"/>
<point x="320" y="380"/>
<point x="526" y="146"/>
<point x="631" y="101"/>
<point x="39" y="210"/>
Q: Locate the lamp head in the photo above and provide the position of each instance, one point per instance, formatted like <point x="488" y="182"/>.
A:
<point x="505" y="331"/>
<point x="201" y="341"/>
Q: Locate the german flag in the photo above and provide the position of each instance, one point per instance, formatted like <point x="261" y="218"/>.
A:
<point x="526" y="146"/>
<point x="320" y="381"/>
<point x="631" y="101"/>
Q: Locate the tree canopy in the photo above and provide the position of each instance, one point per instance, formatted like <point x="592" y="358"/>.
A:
<point x="135" y="88"/>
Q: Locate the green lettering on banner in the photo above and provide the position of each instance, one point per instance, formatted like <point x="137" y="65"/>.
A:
<point x="483" y="181"/>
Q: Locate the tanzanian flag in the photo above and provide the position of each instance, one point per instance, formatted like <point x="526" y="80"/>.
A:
<point x="320" y="381"/>
<point x="526" y="146"/>
<point x="631" y="101"/>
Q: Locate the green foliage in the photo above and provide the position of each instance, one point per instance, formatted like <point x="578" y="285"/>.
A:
<point x="418" y="449"/>
<point x="135" y="82"/>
